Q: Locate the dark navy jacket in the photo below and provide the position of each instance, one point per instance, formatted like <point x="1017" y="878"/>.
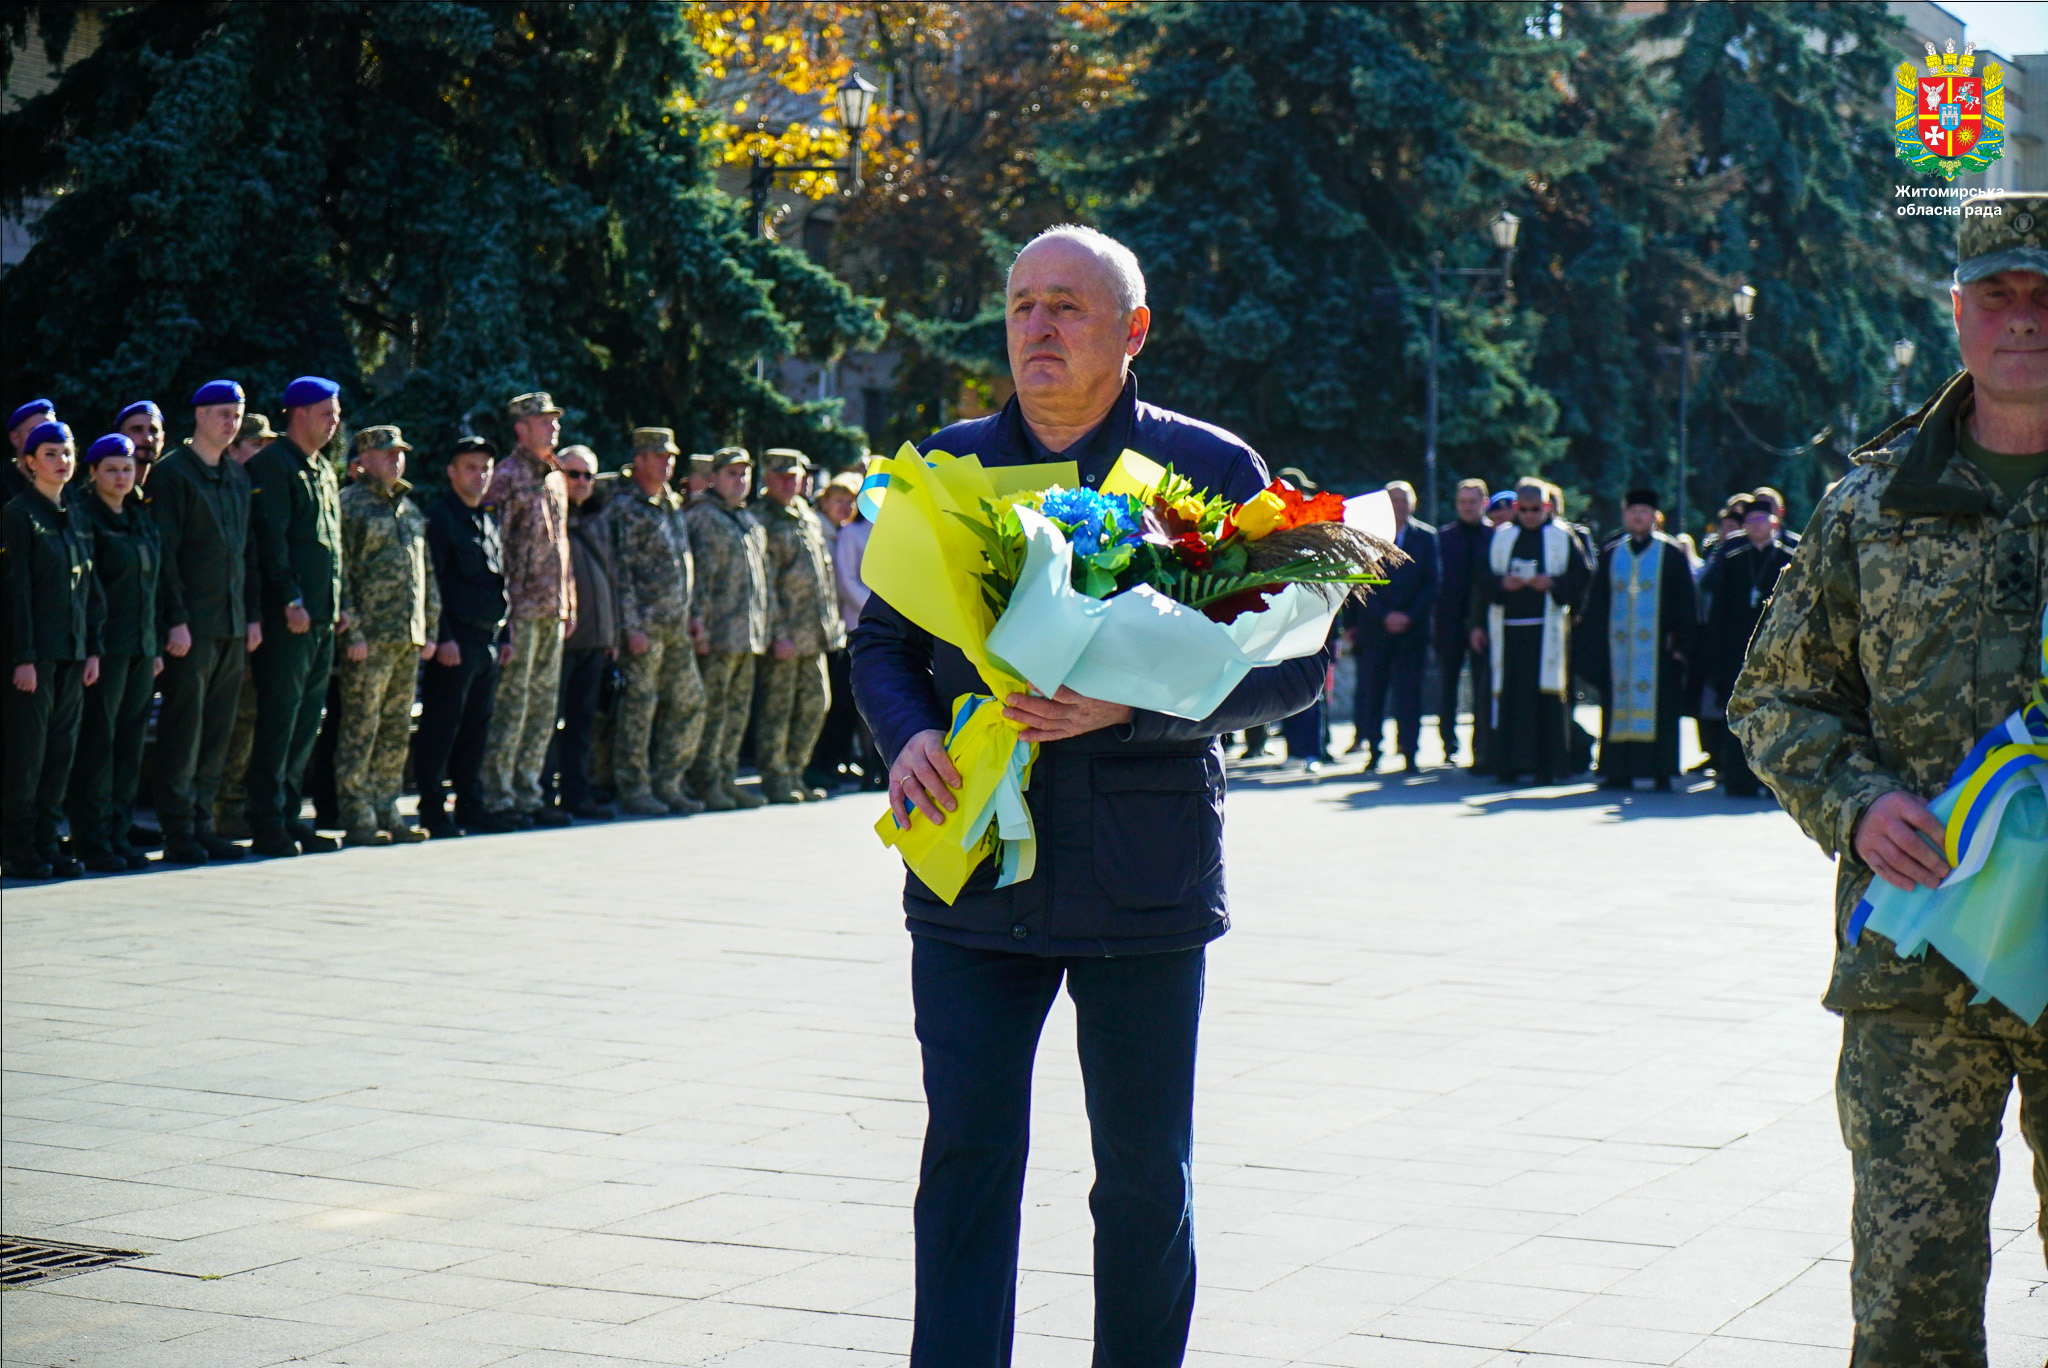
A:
<point x="1129" y="819"/>
<point x="1410" y="588"/>
<point x="1461" y="549"/>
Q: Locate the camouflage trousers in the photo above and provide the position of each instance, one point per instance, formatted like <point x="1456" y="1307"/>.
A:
<point x="794" y="696"/>
<point x="234" y="775"/>
<point x="660" y="715"/>
<point x="376" y="724"/>
<point x="1921" y="1099"/>
<point x="728" y="698"/>
<point x="523" y="712"/>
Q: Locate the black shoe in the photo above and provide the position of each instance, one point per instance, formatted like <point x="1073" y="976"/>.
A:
<point x="274" y="845"/>
<point x="504" y="819"/>
<point x="106" y="862"/>
<point x="592" y="812"/>
<point x="311" y="842"/>
<point x="25" y="869"/>
<point x="135" y="859"/>
<point x="549" y="817"/>
<point x="183" y="850"/>
<point x="145" y="838"/>
<point x="1614" y="782"/>
<point x="64" y="867"/>
<point x="440" y="826"/>
<point x="220" y="850"/>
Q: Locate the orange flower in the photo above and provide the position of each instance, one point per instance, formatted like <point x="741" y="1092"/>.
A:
<point x="1280" y="506"/>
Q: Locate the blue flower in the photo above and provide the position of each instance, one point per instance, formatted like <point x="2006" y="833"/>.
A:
<point x="1081" y="514"/>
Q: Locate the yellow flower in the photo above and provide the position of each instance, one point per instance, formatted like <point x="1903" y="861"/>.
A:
<point x="1189" y="508"/>
<point x="1258" y="516"/>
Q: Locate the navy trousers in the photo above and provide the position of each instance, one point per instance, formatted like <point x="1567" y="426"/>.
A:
<point x="979" y="1014"/>
<point x="1390" y="660"/>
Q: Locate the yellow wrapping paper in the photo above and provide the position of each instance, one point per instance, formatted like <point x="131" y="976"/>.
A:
<point x="926" y="564"/>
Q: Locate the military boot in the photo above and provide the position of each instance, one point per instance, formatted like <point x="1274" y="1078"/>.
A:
<point x="679" y="802"/>
<point x="402" y="831"/>
<point x="644" y="805"/>
<point x="744" y="798"/>
<point x="776" y="787"/>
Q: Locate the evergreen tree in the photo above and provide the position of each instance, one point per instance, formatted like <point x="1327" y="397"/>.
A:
<point x="1283" y="171"/>
<point x="1790" y="104"/>
<point x="440" y="204"/>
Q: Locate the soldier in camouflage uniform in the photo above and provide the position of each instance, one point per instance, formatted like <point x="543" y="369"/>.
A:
<point x="532" y="503"/>
<point x="661" y="715"/>
<point x="731" y="624"/>
<point x="391" y="602"/>
<point x="1907" y="627"/>
<point x="804" y="624"/>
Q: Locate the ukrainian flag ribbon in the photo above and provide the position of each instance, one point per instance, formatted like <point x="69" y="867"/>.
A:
<point x="1989" y="917"/>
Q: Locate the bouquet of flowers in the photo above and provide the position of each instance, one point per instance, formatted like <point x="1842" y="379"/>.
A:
<point x="1148" y="592"/>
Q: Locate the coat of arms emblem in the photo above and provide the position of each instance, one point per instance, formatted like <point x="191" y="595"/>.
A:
<point x="1950" y="121"/>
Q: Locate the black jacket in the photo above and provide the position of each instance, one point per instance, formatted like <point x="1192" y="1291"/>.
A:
<point x="127" y="556"/>
<point x="53" y="601"/>
<point x="467" y="554"/>
<point x="1129" y="819"/>
<point x="1461" y="555"/>
<point x="202" y="516"/>
<point x="1411" y="588"/>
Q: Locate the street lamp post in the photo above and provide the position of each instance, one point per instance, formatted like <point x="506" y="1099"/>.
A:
<point x="1504" y="229"/>
<point x="855" y="100"/>
<point x="1902" y="357"/>
<point x="1743" y="302"/>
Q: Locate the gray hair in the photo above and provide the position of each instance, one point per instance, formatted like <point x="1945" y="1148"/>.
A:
<point x="1128" y="280"/>
<point x="1404" y="487"/>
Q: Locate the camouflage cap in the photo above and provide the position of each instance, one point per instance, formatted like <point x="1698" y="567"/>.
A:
<point x="529" y="405"/>
<point x="655" y="439"/>
<point x="255" y="427"/>
<point x="732" y="455"/>
<point x="2003" y="230"/>
<point x="783" y="460"/>
<point x="700" y="463"/>
<point x="381" y="437"/>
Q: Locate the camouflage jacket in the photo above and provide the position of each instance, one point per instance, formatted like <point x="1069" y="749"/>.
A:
<point x="656" y="571"/>
<point x="387" y="584"/>
<point x="803" y="591"/>
<point x="731" y="551"/>
<point x="1907" y="626"/>
<point x="532" y="504"/>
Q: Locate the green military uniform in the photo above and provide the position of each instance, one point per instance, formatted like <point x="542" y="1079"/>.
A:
<point x="660" y="722"/>
<point x="731" y="551"/>
<point x="392" y="604"/>
<point x="804" y="613"/>
<point x="208" y="586"/>
<point x="127" y="557"/>
<point x="295" y="521"/>
<point x="1908" y="626"/>
<point x="54" y="609"/>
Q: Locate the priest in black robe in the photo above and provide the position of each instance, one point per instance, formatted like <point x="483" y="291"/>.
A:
<point x="1636" y="640"/>
<point x="1735" y="591"/>
<point x="1523" y="598"/>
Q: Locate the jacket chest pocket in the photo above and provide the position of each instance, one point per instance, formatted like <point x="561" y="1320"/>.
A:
<point x="1929" y="570"/>
<point x="1158" y="828"/>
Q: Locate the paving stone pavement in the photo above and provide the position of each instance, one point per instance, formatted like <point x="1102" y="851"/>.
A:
<point x="1488" y="1078"/>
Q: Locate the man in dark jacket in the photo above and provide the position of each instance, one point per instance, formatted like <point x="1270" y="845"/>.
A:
<point x="207" y="603"/>
<point x="457" y="687"/>
<point x="1461" y="552"/>
<point x="1128" y="888"/>
<point x="295" y="521"/>
<point x="1734" y="591"/>
<point x="1390" y="632"/>
<point x="590" y="650"/>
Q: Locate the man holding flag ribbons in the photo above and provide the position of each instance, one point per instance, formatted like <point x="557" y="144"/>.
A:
<point x="1901" y="660"/>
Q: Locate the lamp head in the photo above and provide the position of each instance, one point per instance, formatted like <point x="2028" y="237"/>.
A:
<point x="1744" y="301"/>
<point x="1504" y="229"/>
<point x="1902" y="352"/>
<point x="856" y="100"/>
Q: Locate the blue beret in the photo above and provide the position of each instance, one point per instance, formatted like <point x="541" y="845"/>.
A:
<point x="113" y="444"/>
<point x="47" y="432"/>
<point x="139" y="406"/>
<point x="309" y="389"/>
<point x="218" y="392"/>
<point x="30" y="410"/>
<point x="1501" y="496"/>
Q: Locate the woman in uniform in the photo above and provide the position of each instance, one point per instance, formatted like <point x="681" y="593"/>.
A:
<point x="52" y="605"/>
<point x="125" y="556"/>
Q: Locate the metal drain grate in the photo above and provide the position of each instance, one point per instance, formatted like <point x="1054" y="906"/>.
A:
<point x="25" y="1261"/>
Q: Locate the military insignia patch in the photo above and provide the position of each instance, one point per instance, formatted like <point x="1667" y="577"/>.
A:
<point x="1950" y="121"/>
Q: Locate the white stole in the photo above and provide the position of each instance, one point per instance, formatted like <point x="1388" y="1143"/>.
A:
<point x="1552" y="667"/>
